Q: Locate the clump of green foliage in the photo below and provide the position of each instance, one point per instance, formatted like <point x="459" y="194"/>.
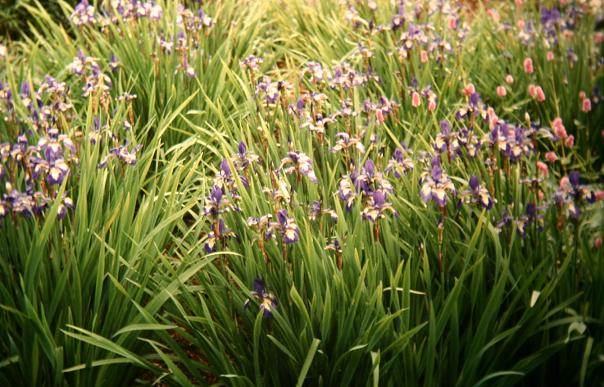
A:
<point x="319" y="193"/>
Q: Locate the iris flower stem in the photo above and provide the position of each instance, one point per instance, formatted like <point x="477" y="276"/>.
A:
<point x="267" y="259"/>
<point x="441" y="229"/>
<point x="284" y="252"/>
<point x="376" y="231"/>
<point x="402" y="71"/>
<point x="576" y="255"/>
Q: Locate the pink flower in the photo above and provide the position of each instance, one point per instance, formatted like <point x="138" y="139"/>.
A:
<point x="520" y="24"/>
<point x="379" y="116"/>
<point x="532" y="90"/>
<point x="599" y="195"/>
<point x="501" y="91"/>
<point x="551" y="157"/>
<point x="586" y="105"/>
<point x="528" y="66"/>
<point x="540" y="95"/>
<point x="598" y="243"/>
<point x="432" y="105"/>
<point x="570" y="141"/>
<point x="542" y="168"/>
<point x="565" y="183"/>
<point x="423" y="56"/>
<point x="509" y="79"/>
<point x="469" y="89"/>
<point x="549" y="56"/>
<point x="452" y="23"/>
<point x="415" y="99"/>
<point x="559" y="128"/>
<point x="582" y="95"/>
<point x="492" y="12"/>
<point x="492" y="117"/>
<point x="541" y="195"/>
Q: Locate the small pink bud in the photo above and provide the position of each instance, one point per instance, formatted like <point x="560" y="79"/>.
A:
<point x="469" y="89"/>
<point x="431" y="105"/>
<point x="520" y="24"/>
<point x="509" y="79"/>
<point x="540" y="94"/>
<point x="570" y="141"/>
<point x="599" y="195"/>
<point x="549" y="56"/>
<point x="452" y="23"/>
<point x="582" y="95"/>
<point x="598" y="243"/>
<point x="551" y="157"/>
<point x="501" y="91"/>
<point x="528" y="66"/>
<point x="532" y="90"/>
<point x="542" y="168"/>
<point x="586" y="105"/>
<point x="492" y="12"/>
<point x="379" y="116"/>
<point x="541" y="195"/>
<point x="561" y="132"/>
<point x="559" y="128"/>
<point x="565" y="183"/>
<point x="415" y="99"/>
<point x="423" y="56"/>
<point x="493" y="120"/>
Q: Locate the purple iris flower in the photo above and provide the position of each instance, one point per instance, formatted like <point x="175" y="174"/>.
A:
<point x="222" y="232"/>
<point x="57" y="172"/>
<point x="214" y="203"/>
<point x="289" y="230"/>
<point x="377" y="207"/>
<point x="399" y="164"/>
<point x="266" y="299"/>
<point x="479" y="194"/>
<point x="225" y="169"/>
<point x="436" y="184"/>
<point x="300" y="163"/>
<point x="369" y="168"/>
